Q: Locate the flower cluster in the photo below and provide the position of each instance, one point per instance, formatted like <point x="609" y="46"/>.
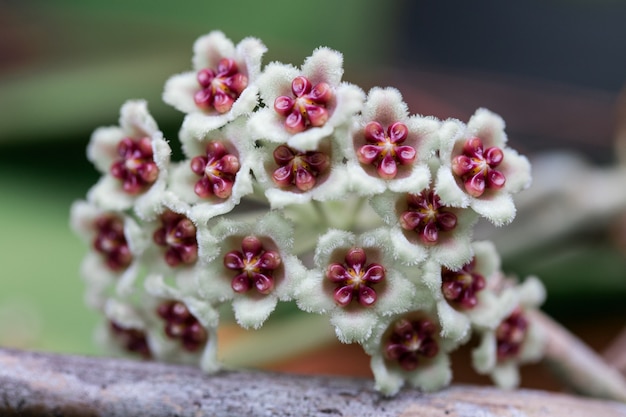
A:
<point x="281" y="162"/>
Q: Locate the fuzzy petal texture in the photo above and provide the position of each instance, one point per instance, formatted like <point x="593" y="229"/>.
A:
<point x="494" y="203"/>
<point x="354" y="322"/>
<point x="324" y="65"/>
<point x="208" y="50"/>
<point x="385" y="107"/>
<point x="183" y="180"/>
<point x="214" y="278"/>
<point x="135" y="123"/>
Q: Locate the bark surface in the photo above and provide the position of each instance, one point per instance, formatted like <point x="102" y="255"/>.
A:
<point x="56" y="385"/>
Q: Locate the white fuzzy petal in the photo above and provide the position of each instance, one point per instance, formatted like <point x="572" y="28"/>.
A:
<point x="353" y="326"/>
<point x="252" y="312"/>
<point x="499" y="209"/>
<point x="179" y="92"/>
<point x="102" y="147"/>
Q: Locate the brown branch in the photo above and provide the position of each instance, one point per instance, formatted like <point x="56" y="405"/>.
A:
<point x="48" y="384"/>
<point x="577" y="365"/>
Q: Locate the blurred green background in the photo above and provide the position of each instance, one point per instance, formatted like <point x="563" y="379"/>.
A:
<point x="67" y="66"/>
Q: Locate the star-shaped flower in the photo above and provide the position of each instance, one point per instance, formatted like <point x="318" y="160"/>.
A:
<point x="221" y="86"/>
<point x="113" y="259"/>
<point x="516" y="339"/>
<point x="216" y="171"/>
<point x="354" y="281"/>
<point x="133" y="159"/>
<point x="464" y="295"/>
<point x="422" y="226"/>
<point x="478" y="169"/>
<point x="291" y="176"/>
<point x="409" y="347"/>
<point x="389" y="148"/>
<point x="250" y="264"/>
<point x="304" y="106"/>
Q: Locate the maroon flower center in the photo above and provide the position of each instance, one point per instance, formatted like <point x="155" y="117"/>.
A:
<point x="181" y="325"/>
<point x="217" y="170"/>
<point x="427" y="217"/>
<point x="476" y="167"/>
<point x="460" y="287"/>
<point x="136" y="167"/>
<point x="132" y="340"/>
<point x="298" y="168"/>
<point x="308" y="107"/>
<point x="111" y="243"/>
<point x="221" y="87"/>
<point x="355" y="278"/>
<point x="510" y="334"/>
<point x="410" y="341"/>
<point x="385" y="150"/>
<point x="254" y="266"/>
<point x="177" y="234"/>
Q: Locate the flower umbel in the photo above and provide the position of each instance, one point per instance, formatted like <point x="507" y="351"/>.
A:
<point x="295" y="185"/>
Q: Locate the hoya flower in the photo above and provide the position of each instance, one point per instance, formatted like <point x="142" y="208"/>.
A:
<point x="113" y="259"/>
<point x="124" y="331"/>
<point x="216" y="172"/>
<point x="516" y="339"/>
<point x="183" y="327"/>
<point x="292" y="176"/>
<point x="422" y="226"/>
<point x="304" y="106"/>
<point x="464" y="295"/>
<point x="221" y="86"/>
<point x="478" y="169"/>
<point x="389" y="148"/>
<point x="355" y="282"/>
<point x="250" y="264"/>
<point x="133" y="159"/>
<point x="409" y="347"/>
<point x="172" y="241"/>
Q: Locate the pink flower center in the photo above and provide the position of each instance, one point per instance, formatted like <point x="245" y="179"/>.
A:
<point x="220" y="88"/>
<point x="510" y="335"/>
<point x="181" y="325"/>
<point x="476" y="167"/>
<point x="460" y="287"/>
<point x="111" y="243"/>
<point x="355" y="279"/>
<point x="427" y="217"/>
<point x="217" y="170"/>
<point x="307" y="108"/>
<point x="385" y="150"/>
<point x="136" y="167"/>
<point x="132" y="340"/>
<point x="177" y="235"/>
<point x="254" y="266"/>
<point x="298" y="168"/>
<point x="411" y="340"/>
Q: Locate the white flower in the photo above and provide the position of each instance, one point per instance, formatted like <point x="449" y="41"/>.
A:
<point x="289" y="176"/>
<point x="304" y="106"/>
<point x="216" y="172"/>
<point x="250" y="264"/>
<point x="133" y="158"/>
<point x="113" y="259"/>
<point x="221" y="86"/>
<point x="478" y="169"/>
<point x="355" y="282"/>
<point x="182" y="327"/>
<point x="464" y="295"/>
<point x="389" y="148"/>
<point x="409" y="347"/>
<point x="424" y="227"/>
<point x="516" y="340"/>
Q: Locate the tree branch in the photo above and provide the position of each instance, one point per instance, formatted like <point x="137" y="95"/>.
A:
<point x="48" y="384"/>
